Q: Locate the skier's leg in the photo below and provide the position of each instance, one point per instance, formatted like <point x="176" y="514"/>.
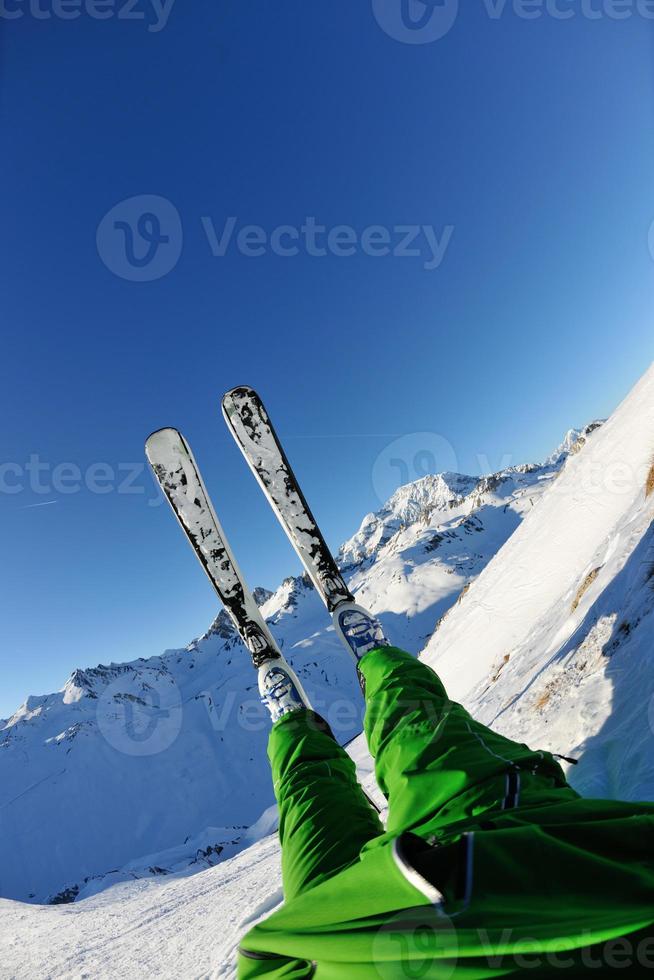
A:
<point x="324" y="817"/>
<point x="434" y="763"/>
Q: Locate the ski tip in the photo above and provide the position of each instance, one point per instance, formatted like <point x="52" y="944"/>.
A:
<point x="234" y="398"/>
<point x="162" y="440"/>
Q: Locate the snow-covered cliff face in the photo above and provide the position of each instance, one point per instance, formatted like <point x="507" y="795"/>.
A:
<point x="148" y="768"/>
<point x="565" y="612"/>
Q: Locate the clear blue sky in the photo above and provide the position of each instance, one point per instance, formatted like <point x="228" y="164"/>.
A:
<point x="534" y="139"/>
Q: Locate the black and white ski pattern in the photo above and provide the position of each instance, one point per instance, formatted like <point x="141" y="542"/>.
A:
<point x="254" y="433"/>
<point x="179" y="477"/>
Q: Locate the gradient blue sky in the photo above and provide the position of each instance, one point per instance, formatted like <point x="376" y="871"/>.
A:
<point x="533" y="138"/>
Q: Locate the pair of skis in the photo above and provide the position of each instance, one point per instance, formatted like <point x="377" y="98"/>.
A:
<point x="177" y="472"/>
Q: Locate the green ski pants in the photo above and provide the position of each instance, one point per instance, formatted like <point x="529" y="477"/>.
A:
<point x="436" y="766"/>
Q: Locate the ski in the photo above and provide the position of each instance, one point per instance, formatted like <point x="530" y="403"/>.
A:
<point x="178" y="475"/>
<point x="252" y="429"/>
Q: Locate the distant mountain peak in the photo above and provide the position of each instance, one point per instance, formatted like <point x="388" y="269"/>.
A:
<point x="223" y="627"/>
<point x="434" y="491"/>
<point x="573" y="441"/>
<point x="261" y="595"/>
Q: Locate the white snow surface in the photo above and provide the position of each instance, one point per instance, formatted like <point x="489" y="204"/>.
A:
<point x="140" y="795"/>
<point x="559" y="626"/>
<point x="188" y="926"/>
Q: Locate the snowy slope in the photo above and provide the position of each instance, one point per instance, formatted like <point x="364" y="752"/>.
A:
<point x="186" y="926"/>
<point x="566" y="613"/>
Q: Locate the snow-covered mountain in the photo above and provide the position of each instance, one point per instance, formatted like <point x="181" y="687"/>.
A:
<point x="531" y="591"/>
<point x="134" y="759"/>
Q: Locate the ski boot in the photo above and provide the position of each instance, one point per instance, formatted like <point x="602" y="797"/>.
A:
<point x="358" y="629"/>
<point x="280" y="688"/>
